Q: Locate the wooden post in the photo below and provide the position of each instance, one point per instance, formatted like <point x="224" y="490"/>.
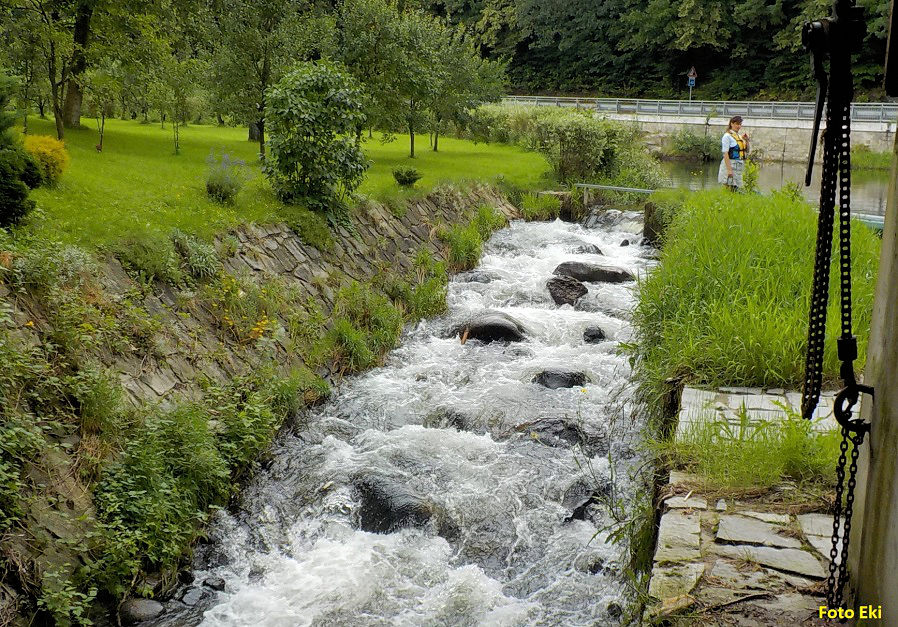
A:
<point x="873" y="559"/>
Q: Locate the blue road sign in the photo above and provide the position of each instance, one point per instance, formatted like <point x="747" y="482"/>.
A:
<point x="690" y="81"/>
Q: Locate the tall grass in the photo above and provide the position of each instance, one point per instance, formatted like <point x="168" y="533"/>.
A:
<point x="754" y="455"/>
<point x="728" y="304"/>
<point x="862" y="158"/>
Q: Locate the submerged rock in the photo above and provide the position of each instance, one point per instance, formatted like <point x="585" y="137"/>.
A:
<point x="490" y="326"/>
<point x="565" y="290"/>
<point x="593" y="272"/>
<point x="135" y="611"/>
<point x="446" y="417"/>
<point x="625" y="242"/>
<point x="593" y="335"/>
<point x="588" y="249"/>
<point x="554" y="379"/>
<point x="216" y="583"/>
<point x="477" y="276"/>
<point x="387" y="506"/>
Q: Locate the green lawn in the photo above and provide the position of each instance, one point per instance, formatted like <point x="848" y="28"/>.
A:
<point x="137" y="184"/>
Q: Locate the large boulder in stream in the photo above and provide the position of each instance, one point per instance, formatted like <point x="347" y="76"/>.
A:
<point x="555" y="379"/>
<point x="565" y="290"/>
<point x="134" y="611"/>
<point x="387" y="506"/>
<point x="490" y="326"/>
<point x="594" y="335"/>
<point x="593" y="272"/>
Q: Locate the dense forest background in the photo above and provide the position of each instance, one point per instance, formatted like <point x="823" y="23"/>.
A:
<point x="740" y="48"/>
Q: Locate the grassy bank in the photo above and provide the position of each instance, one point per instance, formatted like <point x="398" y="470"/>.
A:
<point x="138" y="186"/>
<point x="728" y="304"/>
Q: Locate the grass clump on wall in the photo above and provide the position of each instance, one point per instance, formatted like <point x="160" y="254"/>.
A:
<point x="536" y="207"/>
<point x="728" y="304"/>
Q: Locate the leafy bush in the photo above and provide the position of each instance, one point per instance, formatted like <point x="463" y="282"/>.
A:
<point x="540" y="207"/>
<point x="50" y="154"/>
<point x="150" y="257"/>
<point x="728" y="304"/>
<point x="406" y="176"/>
<point x="224" y="178"/>
<point x="313" y="115"/>
<point x="688" y="144"/>
<point x="750" y="176"/>
<point x="14" y="201"/>
<point x="198" y="257"/>
<point x="31" y="171"/>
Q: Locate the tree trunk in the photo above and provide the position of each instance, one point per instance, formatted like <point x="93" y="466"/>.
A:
<point x="436" y="141"/>
<point x="54" y="93"/>
<point x="74" y="95"/>
<point x="261" y="126"/>
<point x="41" y="107"/>
<point x="220" y="119"/>
<point x="411" y="137"/>
<point x="253" y="132"/>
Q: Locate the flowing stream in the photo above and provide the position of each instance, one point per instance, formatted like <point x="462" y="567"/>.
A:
<point x="515" y="476"/>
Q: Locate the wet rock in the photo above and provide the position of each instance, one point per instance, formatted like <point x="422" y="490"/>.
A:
<point x="588" y="249"/>
<point x="216" y="583"/>
<point x="593" y="272"/>
<point x="477" y="276"/>
<point x="554" y="432"/>
<point x="593" y="335"/>
<point x="387" y="506"/>
<point x="446" y="417"/>
<point x="555" y="379"/>
<point x="565" y="290"/>
<point x="615" y="610"/>
<point x="625" y="242"/>
<point x="186" y="576"/>
<point x="192" y="596"/>
<point x="135" y="611"/>
<point x="491" y="326"/>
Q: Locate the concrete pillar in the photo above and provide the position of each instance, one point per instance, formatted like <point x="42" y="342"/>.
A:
<point x="873" y="559"/>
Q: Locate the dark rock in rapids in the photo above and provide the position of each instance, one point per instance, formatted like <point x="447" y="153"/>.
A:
<point x="593" y="335"/>
<point x="490" y="326"/>
<point x="477" y="276"/>
<point x="554" y="379"/>
<point x="387" y="506"/>
<point x="588" y="249"/>
<point x="446" y="417"/>
<point x="135" y="611"/>
<point x="625" y="242"/>
<point x="216" y="583"/>
<point x="565" y="290"/>
<point x="593" y="272"/>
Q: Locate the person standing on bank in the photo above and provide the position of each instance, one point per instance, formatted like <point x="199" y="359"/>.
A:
<point x="735" y="148"/>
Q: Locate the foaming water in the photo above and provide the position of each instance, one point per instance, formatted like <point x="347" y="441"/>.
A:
<point x="513" y="538"/>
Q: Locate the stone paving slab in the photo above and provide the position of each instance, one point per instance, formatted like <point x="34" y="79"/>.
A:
<point x="787" y="560"/>
<point x="744" y="530"/>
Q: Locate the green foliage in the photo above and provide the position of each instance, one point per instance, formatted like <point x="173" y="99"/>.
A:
<point x="862" y="158"/>
<point x="750" y="176"/>
<point x="313" y="114"/>
<point x="366" y="326"/>
<point x="150" y="257"/>
<point x="465" y="242"/>
<point x="50" y="154"/>
<point x="245" y="309"/>
<point x="406" y="176"/>
<point x="16" y="174"/>
<point x="688" y="144"/>
<point x="224" y="178"/>
<point x="754" y="454"/>
<point x="198" y="258"/>
<point x="579" y="146"/>
<point x="311" y="227"/>
<point x="99" y="400"/>
<point x="425" y="295"/>
<point x="728" y="304"/>
<point x="540" y="207"/>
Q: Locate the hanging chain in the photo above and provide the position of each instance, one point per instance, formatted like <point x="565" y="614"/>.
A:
<point x="835" y="38"/>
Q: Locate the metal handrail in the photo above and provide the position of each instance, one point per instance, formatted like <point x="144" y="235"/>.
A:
<point x="860" y="112"/>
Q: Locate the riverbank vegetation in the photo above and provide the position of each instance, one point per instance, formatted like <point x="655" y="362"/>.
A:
<point x="728" y="303"/>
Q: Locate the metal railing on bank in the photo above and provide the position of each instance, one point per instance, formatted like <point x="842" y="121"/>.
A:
<point x="860" y="112"/>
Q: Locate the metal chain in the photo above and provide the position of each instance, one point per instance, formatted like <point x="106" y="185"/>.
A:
<point x="820" y="287"/>
<point x="845" y="217"/>
<point x="838" y="568"/>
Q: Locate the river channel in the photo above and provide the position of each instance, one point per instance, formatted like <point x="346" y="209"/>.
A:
<point x="514" y="478"/>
